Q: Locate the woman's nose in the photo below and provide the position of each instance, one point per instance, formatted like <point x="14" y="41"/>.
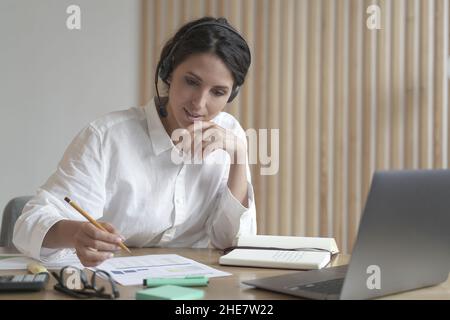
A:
<point x="199" y="100"/>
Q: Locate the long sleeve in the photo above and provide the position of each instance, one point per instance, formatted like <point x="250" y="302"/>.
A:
<point x="79" y="176"/>
<point x="230" y="218"/>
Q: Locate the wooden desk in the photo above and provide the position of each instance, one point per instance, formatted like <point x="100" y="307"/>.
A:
<point x="224" y="288"/>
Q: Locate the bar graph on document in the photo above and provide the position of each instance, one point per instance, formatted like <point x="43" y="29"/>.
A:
<point x="130" y="271"/>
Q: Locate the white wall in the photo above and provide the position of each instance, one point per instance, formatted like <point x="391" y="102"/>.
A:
<point x="53" y="81"/>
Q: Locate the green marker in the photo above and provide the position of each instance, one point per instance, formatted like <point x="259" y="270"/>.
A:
<point x="188" y="281"/>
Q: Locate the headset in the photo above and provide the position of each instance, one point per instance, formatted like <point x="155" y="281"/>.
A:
<point x="165" y="65"/>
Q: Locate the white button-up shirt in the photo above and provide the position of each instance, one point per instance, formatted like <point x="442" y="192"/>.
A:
<point x="120" y="170"/>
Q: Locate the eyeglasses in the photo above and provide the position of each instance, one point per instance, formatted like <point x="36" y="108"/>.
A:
<point x="74" y="282"/>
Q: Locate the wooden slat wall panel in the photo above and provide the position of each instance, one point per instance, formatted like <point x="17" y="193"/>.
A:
<point x="347" y="100"/>
<point x="313" y="148"/>
<point x="440" y="78"/>
<point x="287" y="130"/>
<point x="411" y="79"/>
<point x="384" y="62"/>
<point x="355" y="93"/>
<point x="446" y="49"/>
<point x="261" y="73"/>
<point x="326" y="116"/>
<point x="299" y="118"/>
<point x="273" y="111"/>
<point x="426" y="85"/>
<point x="398" y="84"/>
<point x="339" y="210"/>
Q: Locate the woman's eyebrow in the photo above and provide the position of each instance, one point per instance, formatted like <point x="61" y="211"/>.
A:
<point x="201" y="80"/>
<point x="194" y="75"/>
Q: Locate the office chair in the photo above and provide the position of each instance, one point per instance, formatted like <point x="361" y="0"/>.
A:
<point x="11" y="212"/>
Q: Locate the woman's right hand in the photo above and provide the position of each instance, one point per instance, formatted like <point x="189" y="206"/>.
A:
<point x="93" y="246"/>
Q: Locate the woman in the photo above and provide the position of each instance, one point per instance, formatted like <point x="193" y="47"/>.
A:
<point x="121" y="169"/>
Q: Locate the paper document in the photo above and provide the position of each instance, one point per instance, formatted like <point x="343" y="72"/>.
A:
<point x="130" y="271"/>
<point x="19" y="261"/>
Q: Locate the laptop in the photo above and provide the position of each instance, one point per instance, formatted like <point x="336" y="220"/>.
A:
<point x="403" y="242"/>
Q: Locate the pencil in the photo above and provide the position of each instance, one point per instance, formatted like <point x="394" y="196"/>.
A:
<point x="92" y="220"/>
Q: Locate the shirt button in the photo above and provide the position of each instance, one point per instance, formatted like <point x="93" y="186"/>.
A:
<point x="178" y="201"/>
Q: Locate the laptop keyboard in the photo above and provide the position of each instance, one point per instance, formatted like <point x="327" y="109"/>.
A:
<point x="333" y="286"/>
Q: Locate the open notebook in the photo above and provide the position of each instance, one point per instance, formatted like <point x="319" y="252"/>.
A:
<point x="281" y="252"/>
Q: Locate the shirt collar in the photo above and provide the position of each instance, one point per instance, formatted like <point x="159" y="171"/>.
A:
<point x="158" y="136"/>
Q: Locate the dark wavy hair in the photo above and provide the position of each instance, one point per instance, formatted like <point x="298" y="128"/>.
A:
<point x="229" y="46"/>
